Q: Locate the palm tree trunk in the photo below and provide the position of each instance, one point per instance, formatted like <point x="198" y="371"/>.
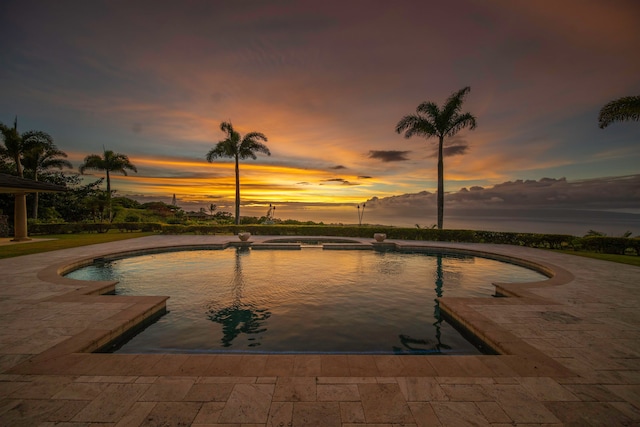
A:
<point x="440" y="183"/>
<point x="237" y="191"/>
<point x="108" y="196"/>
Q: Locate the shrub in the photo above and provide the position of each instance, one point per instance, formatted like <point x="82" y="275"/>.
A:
<point x="132" y="218"/>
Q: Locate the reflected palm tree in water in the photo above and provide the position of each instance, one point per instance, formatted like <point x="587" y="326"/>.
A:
<point x="415" y="345"/>
<point x="239" y="318"/>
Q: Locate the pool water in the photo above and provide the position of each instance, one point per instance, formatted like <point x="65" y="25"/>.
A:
<point x="305" y="301"/>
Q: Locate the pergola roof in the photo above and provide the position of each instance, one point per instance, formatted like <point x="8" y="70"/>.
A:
<point x="15" y="184"/>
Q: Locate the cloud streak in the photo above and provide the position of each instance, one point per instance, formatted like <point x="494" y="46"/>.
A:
<point x="389" y="156"/>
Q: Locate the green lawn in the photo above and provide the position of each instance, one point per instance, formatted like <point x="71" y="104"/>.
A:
<point x="65" y="241"/>
<point x="622" y="259"/>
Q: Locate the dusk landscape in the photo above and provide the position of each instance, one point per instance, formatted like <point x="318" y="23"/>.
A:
<point x="326" y="83"/>
<point x="320" y="213"/>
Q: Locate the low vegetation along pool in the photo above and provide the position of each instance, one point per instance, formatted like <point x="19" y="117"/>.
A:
<point x="305" y="301"/>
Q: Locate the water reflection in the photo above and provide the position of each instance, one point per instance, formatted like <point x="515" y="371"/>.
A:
<point x="409" y="344"/>
<point x="307" y="301"/>
<point x="239" y="318"/>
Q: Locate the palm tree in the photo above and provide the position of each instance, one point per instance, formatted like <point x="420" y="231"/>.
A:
<point x="39" y="155"/>
<point x="237" y="147"/>
<point x="108" y="162"/>
<point x="13" y="145"/>
<point x="429" y="121"/>
<point x="623" y="109"/>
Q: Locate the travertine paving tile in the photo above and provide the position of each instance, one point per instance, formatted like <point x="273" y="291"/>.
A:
<point x="68" y="410"/>
<point x="519" y="405"/>
<point x="362" y="366"/>
<point x="384" y="403"/>
<point x="304" y="366"/>
<point x="316" y="414"/>
<point x="43" y="387"/>
<point x="196" y="364"/>
<point x="295" y="389"/>
<point x="546" y="389"/>
<point x="112" y="404"/>
<point x="8" y="388"/>
<point x="352" y="412"/>
<point x="334" y="365"/>
<point x="459" y="414"/>
<point x="592" y="393"/>
<point x="172" y="414"/>
<point x="415" y="389"/>
<point x="81" y="391"/>
<point x="591" y="413"/>
<point x="209" y="392"/>
<point x="466" y="392"/>
<point x="424" y="414"/>
<point x="248" y="403"/>
<point x="630" y="411"/>
<point x="28" y="412"/>
<point x="209" y="413"/>
<point x="447" y="367"/>
<point x="279" y="366"/>
<point x="167" y="389"/>
<point x="280" y="414"/>
<point x="338" y="393"/>
<point x="630" y="393"/>
<point x="493" y="412"/>
<point x="136" y="414"/>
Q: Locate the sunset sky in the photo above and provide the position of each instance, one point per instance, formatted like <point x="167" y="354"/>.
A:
<point x="326" y="82"/>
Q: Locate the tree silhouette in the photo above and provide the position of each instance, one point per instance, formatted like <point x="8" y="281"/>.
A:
<point x="432" y="121"/>
<point x="40" y="155"/>
<point x="622" y="109"/>
<point x="238" y="148"/>
<point x="108" y="162"/>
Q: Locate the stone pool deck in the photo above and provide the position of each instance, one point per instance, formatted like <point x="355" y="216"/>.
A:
<point x="570" y="356"/>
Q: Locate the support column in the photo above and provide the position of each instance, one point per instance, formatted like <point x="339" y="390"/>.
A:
<point x="20" y="218"/>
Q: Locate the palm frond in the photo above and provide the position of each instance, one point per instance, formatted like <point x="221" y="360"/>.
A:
<point x="431" y="109"/>
<point x="414" y="124"/>
<point x="32" y="138"/>
<point x="92" y="162"/>
<point x="623" y="109"/>
<point x="251" y="144"/>
<point x="225" y="148"/>
<point x="460" y="122"/>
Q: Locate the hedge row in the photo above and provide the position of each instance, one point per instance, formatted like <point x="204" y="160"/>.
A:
<point x="91" y="227"/>
<point x="612" y="245"/>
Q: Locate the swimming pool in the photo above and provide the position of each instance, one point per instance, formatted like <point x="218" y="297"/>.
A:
<point x="239" y="300"/>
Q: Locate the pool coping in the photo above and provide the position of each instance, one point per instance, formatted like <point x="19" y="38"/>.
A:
<point x="516" y="357"/>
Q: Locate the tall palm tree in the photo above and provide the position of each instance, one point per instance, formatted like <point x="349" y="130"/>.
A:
<point x="432" y="121"/>
<point x="39" y="155"/>
<point x="625" y="108"/>
<point x="108" y="162"/>
<point x="237" y="147"/>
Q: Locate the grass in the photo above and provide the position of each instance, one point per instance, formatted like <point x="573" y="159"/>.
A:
<point x="65" y="241"/>
<point x="622" y="259"/>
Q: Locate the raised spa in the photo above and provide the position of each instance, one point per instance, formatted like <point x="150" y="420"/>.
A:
<point x="306" y="301"/>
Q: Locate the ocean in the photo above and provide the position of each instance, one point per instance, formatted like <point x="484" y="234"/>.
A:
<point x="575" y="222"/>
